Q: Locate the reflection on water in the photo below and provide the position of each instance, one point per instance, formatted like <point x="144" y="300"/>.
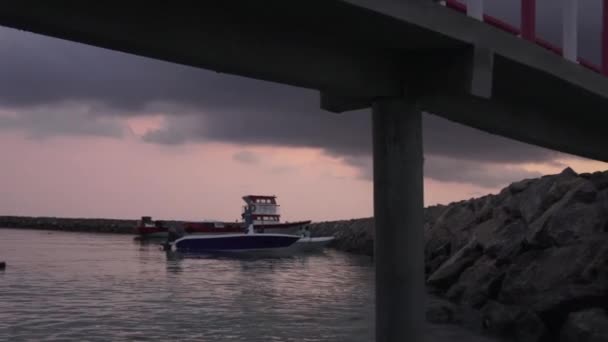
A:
<point x="95" y="287"/>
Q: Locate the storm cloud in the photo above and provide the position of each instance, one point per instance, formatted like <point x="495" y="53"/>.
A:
<point x="54" y="87"/>
<point x="445" y="169"/>
<point x="40" y="123"/>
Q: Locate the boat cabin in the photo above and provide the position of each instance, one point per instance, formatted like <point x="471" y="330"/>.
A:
<point x="264" y="209"/>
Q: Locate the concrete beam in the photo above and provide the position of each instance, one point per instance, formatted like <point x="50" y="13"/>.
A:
<point x="522" y="122"/>
<point x="468" y="71"/>
<point x="307" y="44"/>
<point x="398" y="214"/>
<point x="340" y="103"/>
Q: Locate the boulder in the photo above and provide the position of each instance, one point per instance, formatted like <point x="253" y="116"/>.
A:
<point x="569" y="225"/>
<point x="432" y="213"/>
<point x="542" y="193"/>
<point x="436" y="258"/>
<point x="520" y="186"/>
<point x="477" y="284"/>
<point x="557" y="280"/>
<point x="600" y="180"/>
<point x="586" y="326"/>
<point x="438" y="246"/>
<point x="586" y="193"/>
<point x="570" y="219"/>
<point x="440" y="311"/>
<point x="507" y="241"/>
<point x="602" y="202"/>
<point x="451" y="226"/>
<point x="447" y="274"/>
<point x="512" y="322"/>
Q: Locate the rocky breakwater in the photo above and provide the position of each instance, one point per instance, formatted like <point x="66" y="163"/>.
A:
<point x="357" y="235"/>
<point x="69" y="224"/>
<point x="531" y="261"/>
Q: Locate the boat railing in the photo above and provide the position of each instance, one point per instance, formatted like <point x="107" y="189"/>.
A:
<point x="264" y="209"/>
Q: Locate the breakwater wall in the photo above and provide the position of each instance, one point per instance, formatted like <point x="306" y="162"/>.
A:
<point x="86" y="225"/>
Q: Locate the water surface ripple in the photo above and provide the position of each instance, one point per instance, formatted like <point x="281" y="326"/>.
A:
<point x="95" y="287"/>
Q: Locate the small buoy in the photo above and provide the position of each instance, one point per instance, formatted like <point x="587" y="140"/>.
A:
<point x="2" y="265"/>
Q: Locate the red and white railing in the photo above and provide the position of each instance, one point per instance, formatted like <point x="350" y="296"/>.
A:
<point x="527" y="31"/>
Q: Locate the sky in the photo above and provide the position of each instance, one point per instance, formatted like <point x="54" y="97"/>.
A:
<point x="89" y="132"/>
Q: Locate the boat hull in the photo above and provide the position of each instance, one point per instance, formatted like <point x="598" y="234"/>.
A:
<point x="234" y="243"/>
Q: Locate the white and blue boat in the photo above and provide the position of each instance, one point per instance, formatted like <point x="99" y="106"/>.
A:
<point x="231" y="243"/>
<point x="249" y="242"/>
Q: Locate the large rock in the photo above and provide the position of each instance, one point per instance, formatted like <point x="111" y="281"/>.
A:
<point x="438" y="247"/>
<point x="477" y="284"/>
<point x="542" y="193"/>
<point x="598" y="179"/>
<point x="440" y="311"/>
<point x="520" y="186"/>
<point x="586" y="326"/>
<point x="507" y="241"/>
<point x="513" y="322"/>
<point x="450" y="226"/>
<point x="556" y="280"/>
<point x="573" y="217"/>
<point x="436" y="258"/>
<point x="453" y="267"/>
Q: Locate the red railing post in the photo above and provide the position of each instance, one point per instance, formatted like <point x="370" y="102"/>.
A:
<point x="605" y="38"/>
<point x="528" y="19"/>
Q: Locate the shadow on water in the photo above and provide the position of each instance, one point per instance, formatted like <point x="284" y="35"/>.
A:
<point x="174" y="264"/>
<point x="148" y="242"/>
<point x="253" y="256"/>
<point x="245" y="261"/>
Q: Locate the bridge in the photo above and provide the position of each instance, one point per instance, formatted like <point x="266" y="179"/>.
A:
<point x="399" y="58"/>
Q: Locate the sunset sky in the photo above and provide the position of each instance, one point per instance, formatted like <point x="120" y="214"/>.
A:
<point x="88" y="132"/>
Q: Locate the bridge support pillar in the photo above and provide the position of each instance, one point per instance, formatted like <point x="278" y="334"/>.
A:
<point x="398" y="213"/>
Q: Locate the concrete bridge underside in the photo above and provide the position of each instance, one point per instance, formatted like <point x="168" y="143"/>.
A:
<point x="398" y="57"/>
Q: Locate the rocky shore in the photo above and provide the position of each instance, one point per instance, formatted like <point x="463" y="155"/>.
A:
<point x="530" y="262"/>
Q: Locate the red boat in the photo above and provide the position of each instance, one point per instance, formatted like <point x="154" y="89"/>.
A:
<point x="264" y="209"/>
